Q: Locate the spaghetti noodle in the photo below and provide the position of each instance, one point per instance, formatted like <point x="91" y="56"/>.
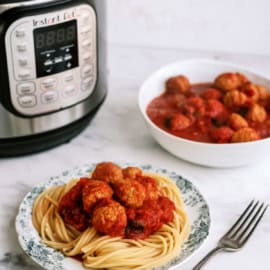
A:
<point x="103" y="251"/>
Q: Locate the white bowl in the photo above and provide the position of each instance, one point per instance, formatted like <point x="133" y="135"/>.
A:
<point x="206" y="154"/>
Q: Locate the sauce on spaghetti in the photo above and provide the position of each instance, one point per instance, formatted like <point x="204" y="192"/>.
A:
<point x="149" y="218"/>
<point x="230" y="109"/>
<point x="117" y="202"/>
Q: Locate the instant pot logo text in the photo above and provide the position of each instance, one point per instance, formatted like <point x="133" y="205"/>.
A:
<point x="49" y="20"/>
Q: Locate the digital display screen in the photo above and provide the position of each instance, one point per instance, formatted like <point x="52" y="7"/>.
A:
<point x="56" y="48"/>
<point x="46" y="39"/>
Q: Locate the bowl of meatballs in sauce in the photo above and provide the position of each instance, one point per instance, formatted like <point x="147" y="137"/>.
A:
<point x="208" y="112"/>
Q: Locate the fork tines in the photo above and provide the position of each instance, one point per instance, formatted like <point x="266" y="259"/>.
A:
<point x="247" y="222"/>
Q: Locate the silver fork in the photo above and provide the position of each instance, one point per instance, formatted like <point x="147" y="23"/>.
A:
<point x="239" y="233"/>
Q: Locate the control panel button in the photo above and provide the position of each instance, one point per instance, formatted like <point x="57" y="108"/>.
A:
<point x="23" y="61"/>
<point x="49" y="83"/>
<point x="85" y="18"/>
<point x="25" y="88"/>
<point x="27" y="101"/>
<point x="48" y="62"/>
<point x="87" y="71"/>
<point x="69" y="90"/>
<point x="58" y="59"/>
<point x="69" y="77"/>
<point x="49" y="69"/>
<point x="86" y="43"/>
<point x="67" y="57"/>
<point x="87" y="83"/>
<point x="87" y="56"/>
<point x="68" y="65"/>
<point x="24" y="74"/>
<point x="49" y="97"/>
<point x="86" y="30"/>
<point x="22" y="47"/>
<point x="20" y="33"/>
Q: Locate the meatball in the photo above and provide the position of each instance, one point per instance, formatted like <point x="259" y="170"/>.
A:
<point x="188" y="110"/>
<point x="251" y="91"/>
<point x="110" y="218"/>
<point x="242" y="78"/>
<point x="108" y="172"/>
<point x="257" y="113"/>
<point x="131" y="193"/>
<point x="222" y="134"/>
<point x="245" y="135"/>
<point x="93" y="191"/>
<point x="228" y="81"/>
<point x="132" y="172"/>
<point x="236" y="121"/>
<point x="235" y="98"/>
<point x="263" y="92"/>
<point x="178" y="84"/>
<point x="151" y="188"/>
<point x="176" y="100"/>
<point x="71" y="209"/>
<point x="198" y="104"/>
<point x="214" y="108"/>
<point x="212" y="93"/>
<point x="179" y="122"/>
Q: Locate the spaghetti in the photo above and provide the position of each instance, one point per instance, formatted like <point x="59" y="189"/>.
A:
<point x="103" y="251"/>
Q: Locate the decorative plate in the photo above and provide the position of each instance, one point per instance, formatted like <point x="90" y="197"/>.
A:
<point x="50" y="259"/>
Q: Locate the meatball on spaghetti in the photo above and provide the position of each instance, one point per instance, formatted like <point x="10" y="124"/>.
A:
<point x="132" y="172"/>
<point x="109" y="217"/>
<point x="93" y="191"/>
<point x="130" y="192"/>
<point x="108" y="172"/>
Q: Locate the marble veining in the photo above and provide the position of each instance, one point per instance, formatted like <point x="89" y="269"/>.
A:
<point x="17" y="261"/>
<point x="118" y="133"/>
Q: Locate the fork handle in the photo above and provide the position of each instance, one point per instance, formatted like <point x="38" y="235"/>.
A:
<point x="207" y="257"/>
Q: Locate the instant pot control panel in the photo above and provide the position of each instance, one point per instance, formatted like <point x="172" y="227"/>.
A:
<point x="52" y="59"/>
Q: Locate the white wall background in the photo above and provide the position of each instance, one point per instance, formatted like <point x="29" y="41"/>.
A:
<point x="232" y="26"/>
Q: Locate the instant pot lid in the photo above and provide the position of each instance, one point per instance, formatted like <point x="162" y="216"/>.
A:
<point x="7" y="4"/>
<point x="13" y="1"/>
<point x="4" y="2"/>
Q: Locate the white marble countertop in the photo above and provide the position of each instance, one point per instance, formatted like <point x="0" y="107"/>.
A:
<point x="118" y="133"/>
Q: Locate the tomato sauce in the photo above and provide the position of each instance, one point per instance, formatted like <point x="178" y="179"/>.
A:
<point x="149" y="218"/>
<point x="78" y="258"/>
<point x="207" y="114"/>
<point x="162" y="107"/>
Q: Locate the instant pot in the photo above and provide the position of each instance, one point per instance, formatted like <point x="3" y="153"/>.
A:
<point x="52" y="71"/>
